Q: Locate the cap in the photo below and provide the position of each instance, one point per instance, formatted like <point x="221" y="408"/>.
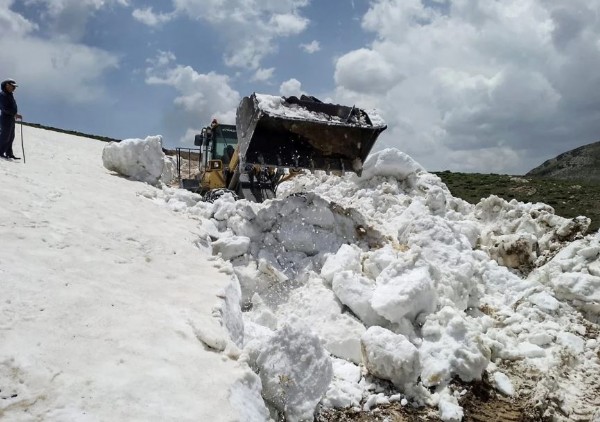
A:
<point x="9" y="82"/>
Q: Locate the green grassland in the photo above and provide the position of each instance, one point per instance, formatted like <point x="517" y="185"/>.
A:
<point x="568" y="198"/>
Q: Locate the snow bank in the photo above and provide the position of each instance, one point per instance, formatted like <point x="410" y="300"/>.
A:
<point x="140" y="159"/>
<point x="396" y="276"/>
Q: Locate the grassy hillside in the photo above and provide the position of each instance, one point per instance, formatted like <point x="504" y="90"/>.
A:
<point x="569" y="198"/>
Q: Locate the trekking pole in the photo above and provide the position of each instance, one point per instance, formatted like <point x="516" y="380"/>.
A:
<point x="22" y="145"/>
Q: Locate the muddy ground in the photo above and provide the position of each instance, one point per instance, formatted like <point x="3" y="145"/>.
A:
<point x="481" y="403"/>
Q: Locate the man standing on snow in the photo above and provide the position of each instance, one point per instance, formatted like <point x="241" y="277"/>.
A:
<point x="8" y="115"/>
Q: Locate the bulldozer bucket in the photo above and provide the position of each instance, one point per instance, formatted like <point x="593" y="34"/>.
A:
<point x="304" y="133"/>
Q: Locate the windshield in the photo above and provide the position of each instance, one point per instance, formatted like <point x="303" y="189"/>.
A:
<point x="223" y="136"/>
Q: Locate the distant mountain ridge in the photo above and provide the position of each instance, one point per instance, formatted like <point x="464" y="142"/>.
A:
<point x="582" y="163"/>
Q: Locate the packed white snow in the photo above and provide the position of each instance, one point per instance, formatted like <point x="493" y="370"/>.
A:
<point x="103" y="297"/>
<point x="410" y="284"/>
<point x="343" y="286"/>
<point x="278" y="106"/>
<point x="140" y="159"/>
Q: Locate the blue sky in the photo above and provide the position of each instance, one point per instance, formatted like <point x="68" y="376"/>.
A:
<point x="464" y="85"/>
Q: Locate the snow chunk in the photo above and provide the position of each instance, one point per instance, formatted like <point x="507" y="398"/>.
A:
<point x="344" y="391"/>
<point x="540" y="338"/>
<point x="503" y="384"/>
<point x="575" y="343"/>
<point x="355" y="291"/>
<point x="390" y="162"/>
<point x="139" y="159"/>
<point x="524" y="350"/>
<point x="406" y="294"/>
<point x="245" y="397"/>
<point x="450" y="410"/>
<point x="261" y="314"/>
<point x="390" y="356"/>
<point x="346" y="258"/>
<point x="451" y="345"/>
<point x="231" y="247"/>
<point x="579" y="286"/>
<point x="295" y="370"/>
<point x="317" y="306"/>
<point x="545" y="302"/>
<point x="229" y="312"/>
<point x="376" y="261"/>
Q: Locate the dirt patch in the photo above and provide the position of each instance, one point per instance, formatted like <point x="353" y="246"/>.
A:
<point x="482" y="403"/>
<point x="524" y="190"/>
<point x="388" y="413"/>
<point x="479" y="400"/>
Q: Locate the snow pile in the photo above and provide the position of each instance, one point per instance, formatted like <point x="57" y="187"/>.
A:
<point x="294" y="369"/>
<point x="403" y="282"/>
<point x="140" y="159"/>
<point x="574" y="275"/>
<point x="277" y="106"/>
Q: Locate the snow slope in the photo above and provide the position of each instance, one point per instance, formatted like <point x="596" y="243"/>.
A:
<point x="103" y="296"/>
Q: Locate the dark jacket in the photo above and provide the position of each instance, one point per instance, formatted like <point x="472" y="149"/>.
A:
<point x="8" y="105"/>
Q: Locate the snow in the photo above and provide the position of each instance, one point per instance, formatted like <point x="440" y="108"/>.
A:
<point x="102" y="293"/>
<point x="295" y="370"/>
<point x="127" y="299"/>
<point x="503" y="383"/>
<point x="276" y="106"/>
<point x="140" y="159"/>
<point x="390" y="356"/>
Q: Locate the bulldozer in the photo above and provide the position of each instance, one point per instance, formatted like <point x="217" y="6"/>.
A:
<point x="276" y="138"/>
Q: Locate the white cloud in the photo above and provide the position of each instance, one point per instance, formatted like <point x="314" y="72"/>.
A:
<point x="148" y="17"/>
<point x="366" y="70"/>
<point x="200" y="97"/>
<point x="311" y="47"/>
<point x="262" y="75"/>
<point x="500" y="81"/>
<point x="52" y="65"/>
<point x="12" y="23"/>
<point x="249" y="28"/>
<point x="57" y="69"/>
<point x="68" y="18"/>
<point x="291" y="87"/>
<point x="285" y="24"/>
<point x="163" y="58"/>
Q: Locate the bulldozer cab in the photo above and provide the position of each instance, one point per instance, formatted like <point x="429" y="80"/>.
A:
<point x="224" y="142"/>
<point x="218" y="142"/>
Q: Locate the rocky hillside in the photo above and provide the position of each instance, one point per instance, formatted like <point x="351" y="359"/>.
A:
<point x="581" y="163"/>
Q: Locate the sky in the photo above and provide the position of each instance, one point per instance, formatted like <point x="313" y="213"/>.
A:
<point x="495" y="86"/>
<point x="125" y="299"/>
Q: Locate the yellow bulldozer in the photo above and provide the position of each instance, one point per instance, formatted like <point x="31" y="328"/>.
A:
<point x="275" y="138"/>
